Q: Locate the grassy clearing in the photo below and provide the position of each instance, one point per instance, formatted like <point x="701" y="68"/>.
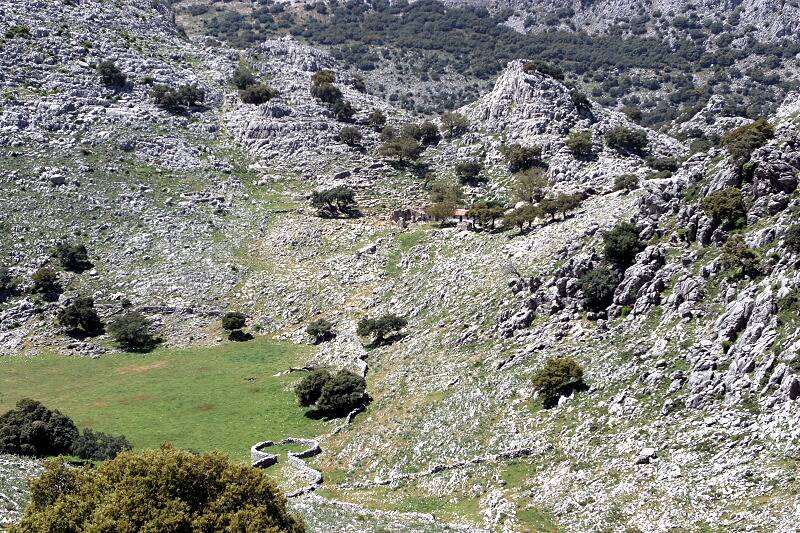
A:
<point x="404" y="242"/>
<point x="225" y="397"/>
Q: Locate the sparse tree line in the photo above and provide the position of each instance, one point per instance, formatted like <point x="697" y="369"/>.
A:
<point x="33" y="430"/>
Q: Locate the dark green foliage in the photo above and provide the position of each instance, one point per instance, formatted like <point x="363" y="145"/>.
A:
<point x="320" y="330"/>
<point x="633" y="113"/>
<point x="544" y="68"/>
<point x="403" y="149"/>
<point x="309" y="388"/>
<point x="580" y="143"/>
<point x="790" y="303"/>
<point x="626" y="182"/>
<point x="323" y="76"/>
<point x="741" y="142"/>
<point x="110" y="74"/>
<point x="520" y="158"/>
<point x="622" y="243"/>
<point x="243" y="78"/>
<point x="579" y="100"/>
<point x="342" y="393"/>
<point x="522" y="216"/>
<point x="559" y="376"/>
<point x="379" y="328"/>
<point x="175" y="100"/>
<point x="428" y="133"/>
<point x="626" y="139"/>
<point x="340" y="199"/>
<point x="350" y="136"/>
<point x="663" y="164"/>
<point x="726" y="206"/>
<point x="454" y="125"/>
<point x="165" y="490"/>
<point x="445" y="198"/>
<point x="791" y="240"/>
<point x="98" y="446"/>
<point x="343" y="111"/>
<point x="738" y="259"/>
<point x="232" y="320"/>
<point x="529" y="185"/>
<point x="376" y="120"/>
<point x="469" y="172"/>
<point x="598" y="287"/>
<point x="9" y="285"/>
<point x="131" y="331"/>
<point x="45" y="281"/>
<point x="326" y="92"/>
<point x="258" y="93"/>
<point x="18" y="31"/>
<point x="79" y="317"/>
<point x="323" y="89"/>
<point x="32" y="429"/>
<point x="73" y="257"/>
<point x="486" y="212"/>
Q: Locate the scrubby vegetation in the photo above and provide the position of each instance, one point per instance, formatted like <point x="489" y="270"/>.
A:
<point x="454" y="125"/>
<point x="726" y="206"/>
<point x="380" y="328"/>
<point x="521" y="158"/>
<point x="110" y="74"/>
<point x="320" y="330"/>
<point x="469" y="173"/>
<point x="580" y="143"/>
<point x="73" y="256"/>
<point x="738" y="259"/>
<point x="331" y="202"/>
<point x="598" y="287"/>
<point x="626" y="182"/>
<point x="33" y="429"/>
<point x="9" y="284"/>
<point x="626" y="139"/>
<point x="741" y="142"/>
<point x="45" y="282"/>
<point x="622" y="243"/>
<point x="185" y="492"/>
<point x="176" y="100"/>
<point x="132" y="331"/>
<point x="331" y="394"/>
<point x="559" y="376"/>
<point x="79" y="317"/>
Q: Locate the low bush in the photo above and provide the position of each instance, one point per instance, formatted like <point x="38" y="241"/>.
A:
<point x="469" y="172"/>
<point x="132" y="331"/>
<point x="110" y="74"/>
<point x="622" y="243"/>
<point x="79" y="317"/>
<point x="339" y="199"/>
<point x="521" y="158"/>
<point x="738" y="259"/>
<point x="626" y="139"/>
<point x="73" y="257"/>
<point x="558" y="377"/>
<point x="791" y="240"/>
<point x="580" y="143"/>
<point x="598" y="287"/>
<point x="33" y="429"/>
<point x="626" y="182"/>
<point x="742" y="141"/>
<point x="544" y="68"/>
<point x="232" y="321"/>
<point x="342" y="393"/>
<point x="379" y="328"/>
<point x="256" y="94"/>
<point x="350" y="136"/>
<point x="726" y="206"/>
<point x="98" y="446"/>
<point x="9" y="284"/>
<point x="376" y="120"/>
<point x="45" y="281"/>
<point x="454" y="125"/>
<point x="309" y="388"/>
<point x="320" y="330"/>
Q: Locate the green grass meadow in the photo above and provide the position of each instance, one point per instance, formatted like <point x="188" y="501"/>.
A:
<point x="225" y="397"/>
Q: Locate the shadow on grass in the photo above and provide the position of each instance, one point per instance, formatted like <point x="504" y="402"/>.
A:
<point x="239" y="336"/>
<point x="566" y="390"/>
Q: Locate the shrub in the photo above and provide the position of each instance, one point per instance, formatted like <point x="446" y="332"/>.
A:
<point x="521" y="216"/>
<point x="622" y="243"/>
<point x="18" y="31"/>
<point x="428" y="133"/>
<point x="323" y="76"/>
<point x="791" y="240"/>
<point x="529" y="185"/>
<point x="131" y="331"/>
<point x="580" y="143"/>
<point x="544" y="68"/>
<point x="662" y="164"/>
<point x="739" y="259"/>
<point x="9" y="285"/>
<point x="45" y="281"/>
<point x="309" y="388"/>
<point x="559" y="376"/>
<point x="454" y="125"/>
<point x="403" y="149"/>
<point x="110" y="74"/>
<point x="598" y="287"/>
<point x="320" y="330"/>
<point x="257" y="94"/>
<point x="790" y="303"/>
<point x="579" y="100"/>
<point x="380" y="327"/>
<point x="80" y="317"/>
<point x="520" y="158"/>
<point x="626" y="139"/>
<point x="326" y="93"/>
<point x="350" y="136"/>
<point x="339" y="199"/>
<point x="32" y="429"/>
<point x="742" y="141"/>
<point x="445" y="198"/>
<point x="98" y="446"/>
<point x="175" y="100"/>
<point x="726" y="206"/>
<point x="158" y="490"/>
<point x="243" y="78"/>
<point x="627" y="182"/>
<point x="469" y="172"/>
<point x="376" y="120"/>
<point x="73" y="257"/>
<point x="342" y="393"/>
<point x="633" y="113"/>
<point x="232" y="321"/>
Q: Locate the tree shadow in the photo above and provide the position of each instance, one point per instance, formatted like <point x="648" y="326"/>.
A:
<point x="566" y="390"/>
<point x="386" y="341"/>
<point x="144" y="345"/>
<point x="238" y="335"/>
<point x="82" y="334"/>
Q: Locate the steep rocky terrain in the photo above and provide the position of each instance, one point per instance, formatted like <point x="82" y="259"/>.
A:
<point x="690" y="419"/>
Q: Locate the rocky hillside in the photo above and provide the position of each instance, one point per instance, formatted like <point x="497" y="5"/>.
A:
<point x="689" y="416"/>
